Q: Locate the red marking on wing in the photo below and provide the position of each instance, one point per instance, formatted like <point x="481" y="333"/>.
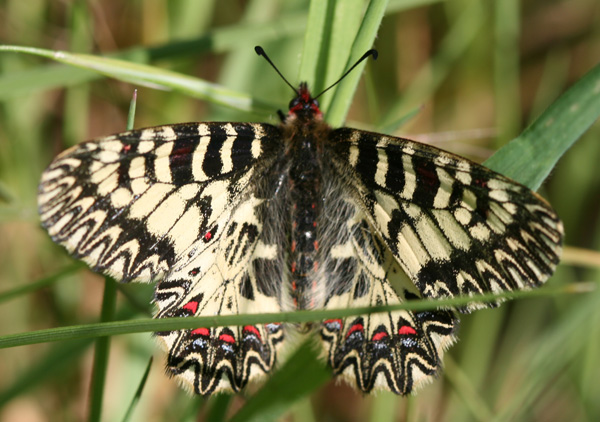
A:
<point x="227" y="338"/>
<point x="426" y="176"/>
<point x="379" y="336"/>
<point x="252" y="329"/>
<point x="480" y="182"/>
<point x="192" y="306"/>
<point x="316" y="245"/>
<point x="406" y="330"/>
<point x="354" y="328"/>
<point x="126" y="148"/>
<point x="201" y="332"/>
<point x="294" y="267"/>
<point x="333" y="321"/>
<point x="208" y="236"/>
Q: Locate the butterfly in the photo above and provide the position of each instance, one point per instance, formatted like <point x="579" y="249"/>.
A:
<point x="232" y="218"/>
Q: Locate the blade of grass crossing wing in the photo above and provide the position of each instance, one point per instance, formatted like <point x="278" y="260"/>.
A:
<point x="176" y="323"/>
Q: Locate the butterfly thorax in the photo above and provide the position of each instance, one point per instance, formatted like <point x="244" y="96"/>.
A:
<point x="304" y="131"/>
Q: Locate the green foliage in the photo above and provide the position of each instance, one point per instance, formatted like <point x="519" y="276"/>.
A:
<point x="532" y="359"/>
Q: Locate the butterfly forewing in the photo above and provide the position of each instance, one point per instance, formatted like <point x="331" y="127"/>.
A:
<point x="455" y="227"/>
<point x="132" y="204"/>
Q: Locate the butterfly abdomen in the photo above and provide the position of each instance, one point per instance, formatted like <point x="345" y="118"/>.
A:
<point x="305" y="190"/>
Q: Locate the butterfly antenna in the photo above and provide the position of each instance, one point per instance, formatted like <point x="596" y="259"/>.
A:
<point x="259" y="50"/>
<point x="371" y="52"/>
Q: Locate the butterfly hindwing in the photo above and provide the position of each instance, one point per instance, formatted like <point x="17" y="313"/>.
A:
<point x="223" y="279"/>
<point x="455" y="227"/>
<point x="396" y="351"/>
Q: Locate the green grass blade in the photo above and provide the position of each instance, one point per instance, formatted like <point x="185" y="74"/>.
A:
<point x="454" y="45"/>
<point x="342" y="98"/>
<point x="39" y="284"/>
<point x="138" y="394"/>
<point x="550" y="356"/>
<point x="101" y="352"/>
<point x="531" y="156"/>
<point x="58" y="361"/>
<point x="176" y="323"/>
<point x="220" y="40"/>
<point x="153" y="77"/>
<point x="314" y="55"/>
<point x="131" y="114"/>
<point x="219" y="408"/>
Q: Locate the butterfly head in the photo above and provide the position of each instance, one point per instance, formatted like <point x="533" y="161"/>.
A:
<point x="304" y="106"/>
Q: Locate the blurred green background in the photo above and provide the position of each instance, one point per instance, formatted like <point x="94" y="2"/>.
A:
<point x="475" y="72"/>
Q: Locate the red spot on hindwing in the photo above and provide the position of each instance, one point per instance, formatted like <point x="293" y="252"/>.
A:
<point x="191" y="306"/>
<point x="252" y="329"/>
<point x="201" y="332"/>
<point x="379" y="336"/>
<point x="227" y="338"/>
<point x="355" y="328"/>
<point x="406" y="330"/>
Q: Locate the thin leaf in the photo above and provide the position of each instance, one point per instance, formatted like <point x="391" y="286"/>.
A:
<point x="57" y="361"/>
<point x="40" y="284"/>
<point x="138" y="393"/>
<point x="530" y="157"/>
<point x="153" y="77"/>
<point x="101" y="352"/>
<point x="220" y="40"/>
<point x="364" y="41"/>
<point x="176" y="323"/>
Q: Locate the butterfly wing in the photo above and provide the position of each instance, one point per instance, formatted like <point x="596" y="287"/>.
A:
<point x="234" y="275"/>
<point x="178" y="203"/>
<point x="398" y="351"/>
<point x="455" y="227"/>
